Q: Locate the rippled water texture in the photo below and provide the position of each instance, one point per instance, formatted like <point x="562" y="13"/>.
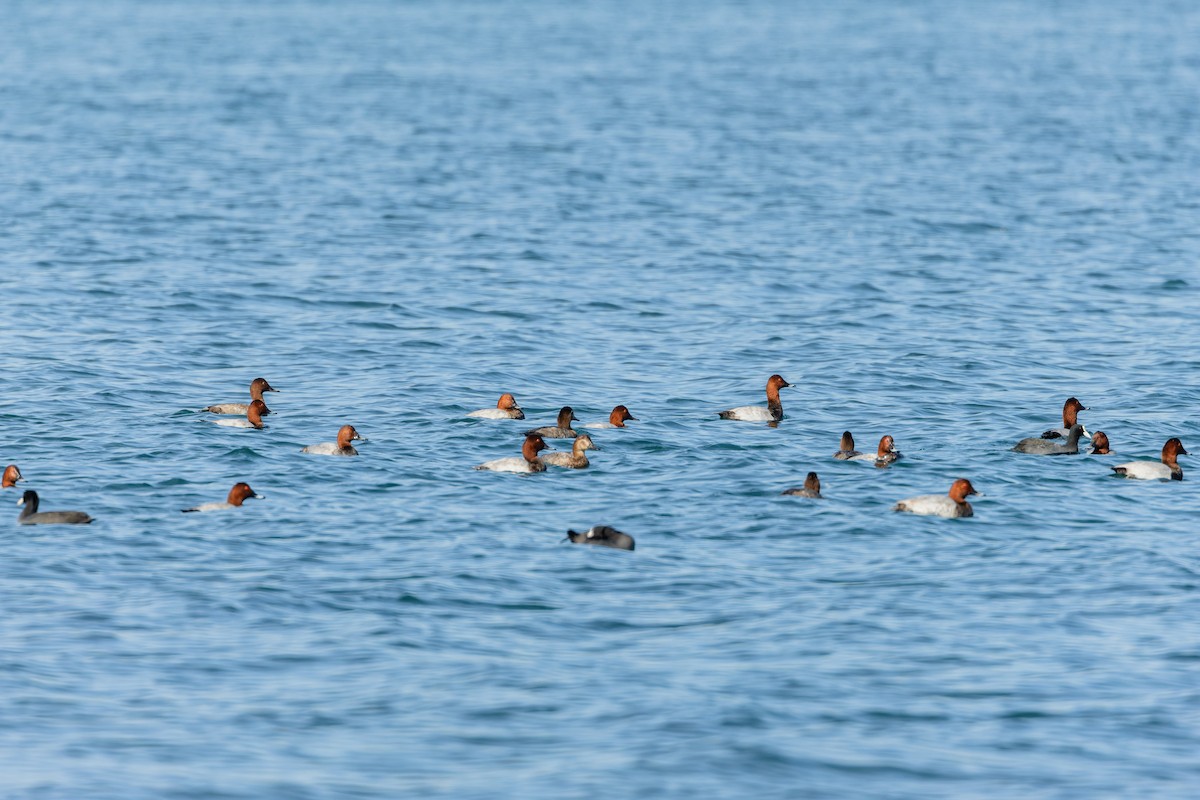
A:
<point x="939" y="219"/>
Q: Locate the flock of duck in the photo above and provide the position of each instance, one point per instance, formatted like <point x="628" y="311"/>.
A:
<point x="1056" y="441"/>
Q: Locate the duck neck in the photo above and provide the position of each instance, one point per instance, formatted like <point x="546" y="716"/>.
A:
<point x="773" y="403"/>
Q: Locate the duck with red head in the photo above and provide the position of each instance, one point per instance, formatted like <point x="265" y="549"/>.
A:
<point x="617" y="419"/>
<point x="771" y="412"/>
<point x="952" y="504"/>
<point x="239" y="493"/>
<point x="846" y="449"/>
<point x="811" y="487"/>
<point x="561" y="430"/>
<point x="887" y="452"/>
<point x="11" y="476"/>
<point x="506" y="408"/>
<point x="1166" y="469"/>
<point x="528" y="462"/>
<point x="342" y="447"/>
<point x="253" y="418"/>
<point x="257" y="387"/>
<point x="1100" y="445"/>
<point x="884" y="455"/>
<point x="1071" y="410"/>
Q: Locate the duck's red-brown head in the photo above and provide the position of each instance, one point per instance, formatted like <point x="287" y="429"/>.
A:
<point x="774" y="384"/>
<point x="240" y="492"/>
<point x="847" y="442"/>
<point x="507" y="403"/>
<point x="886" y="445"/>
<point x="346" y="434"/>
<point x="258" y="386"/>
<point x="566" y="415"/>
<point x="1100" y="443"/>
<point x="255" y="413"/>
<point x="619" y="415"/>
<point x="533" y="444"/>
<point x="1071" y="410"/>
<point x="960" y="489"/>
<point x="1171" y="452"/>
<point x="11" y="476"/>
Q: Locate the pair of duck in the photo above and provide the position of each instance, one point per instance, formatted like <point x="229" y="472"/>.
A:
<point x="530" y="461"/>
<point x="952" y="504"/>
<point x="535" y="439"/>
<point x="1166" y="468"/>
<point x="884" y="455"/>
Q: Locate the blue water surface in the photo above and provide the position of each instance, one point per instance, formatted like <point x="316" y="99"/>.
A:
<point x="938" y="219"/>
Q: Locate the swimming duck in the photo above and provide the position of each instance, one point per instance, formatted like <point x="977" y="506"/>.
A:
<point x="574" y="459"/>
<point x="846" y="449"/>
<point x="239" y="492"/>
<point x="341" y="447"/>
<point x="616" y="419"/>
<point x="528" y="462"/>
<point x="952" y="504"/>
<point x="884" y="455"/>
<point x="257" y="387"/>
<point x="560" y="431"/>
<point x="771" y="412"/>
<point x="253" y="418"/>
<point x="11" y="476"/>
<point x="1166" y="469"/>
<point x="1071" y="410"/>
<point x="506" y="408"/>
<point x="811" y="487"/>
<point x="1100" y="444"/>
